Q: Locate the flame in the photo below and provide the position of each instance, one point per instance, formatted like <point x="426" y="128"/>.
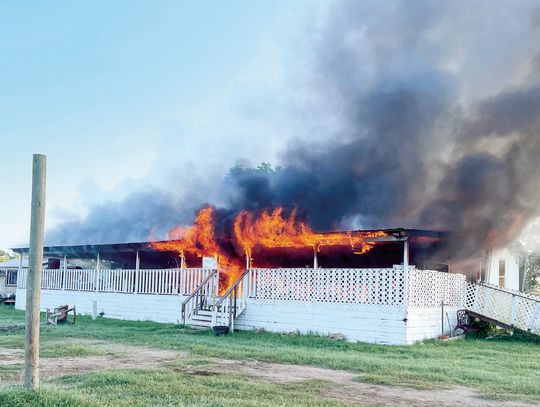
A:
<point x="268" y="230"/>
<point x="200" y="239"/>
<point x="273" y="230"/>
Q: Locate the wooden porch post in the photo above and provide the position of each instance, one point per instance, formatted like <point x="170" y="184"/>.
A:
<point x="182" y="273"/>
<point x="64" y="272"/>
<point x="19" y="272"/>
<point x="249" y="259"/>
<point x="406" y="272"/>
<point x="247" y="290"/>
<point x="137" y="266"/>
<point x="96" y="278"/>
<point x="217" y="266"/>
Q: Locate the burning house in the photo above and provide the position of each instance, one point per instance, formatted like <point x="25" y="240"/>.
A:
<point x="270" y="272"/>
<point x="410" y="125"/>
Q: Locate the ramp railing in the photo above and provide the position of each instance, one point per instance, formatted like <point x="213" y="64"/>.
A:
<point x="508" y="307"/>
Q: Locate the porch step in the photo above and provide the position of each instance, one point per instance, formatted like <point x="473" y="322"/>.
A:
<point x="205" y="312"/>
<point x="199" y="324"/>
<point x="201" y="309"/>
<point x="203" y="318"/>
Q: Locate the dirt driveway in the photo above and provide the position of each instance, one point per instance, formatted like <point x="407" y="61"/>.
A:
<point x="344" y="387"/>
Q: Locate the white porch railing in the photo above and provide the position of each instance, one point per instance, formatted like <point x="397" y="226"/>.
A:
<point x="381" y="287"/>
<point x="21" y="278"/>
<point x="74" y="279"/>
<point x="142" y="281"/>
<point x="375" y="286"/>
<point x="429" y="288"/>
<point x="202" y="298"/>
<point x="512" y="308"/>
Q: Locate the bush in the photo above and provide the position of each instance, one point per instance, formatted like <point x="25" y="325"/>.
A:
<point x="484" y="328"/>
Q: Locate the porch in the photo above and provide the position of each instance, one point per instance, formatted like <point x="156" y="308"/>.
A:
<point x="379" y="305"/>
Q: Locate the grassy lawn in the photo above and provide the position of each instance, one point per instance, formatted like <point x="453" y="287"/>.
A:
<point x="505" y="368"/>
<point x="159" y="387"/>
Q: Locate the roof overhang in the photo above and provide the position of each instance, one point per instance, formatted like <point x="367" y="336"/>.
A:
<point x="91" y="250"/>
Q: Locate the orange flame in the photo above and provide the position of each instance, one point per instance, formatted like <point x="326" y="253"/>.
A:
<point x="272" y="230"/>
<point x="200" y="239"/>
<point x="269" y="230"/>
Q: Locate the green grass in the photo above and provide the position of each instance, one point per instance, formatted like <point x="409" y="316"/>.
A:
<point x="12" y="340"/>
<point x="60" y="350"/>
<point x="10" y="314"/>
<point x="506" y="368"/>
<point x="50" y="347"/>
<point x="8" y="370"/>
<point x="160" y="387"/>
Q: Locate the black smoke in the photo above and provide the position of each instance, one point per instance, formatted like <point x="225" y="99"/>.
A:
<point x="435" y="112"/>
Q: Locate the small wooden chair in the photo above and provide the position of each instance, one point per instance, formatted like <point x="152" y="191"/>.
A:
<point x="60" y="315"/>
<point x="464" y="323"/>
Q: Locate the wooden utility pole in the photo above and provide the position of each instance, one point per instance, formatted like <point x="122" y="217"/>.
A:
<point x="33" y="279"/>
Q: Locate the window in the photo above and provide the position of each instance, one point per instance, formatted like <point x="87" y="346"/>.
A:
<point x="11" y="277"/>
<point x="502" y="273"/>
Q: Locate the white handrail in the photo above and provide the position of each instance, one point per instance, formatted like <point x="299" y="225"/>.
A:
<point x="232" y="303"/>
<point x="508" y="307"/>
<point x="198" y="299"/>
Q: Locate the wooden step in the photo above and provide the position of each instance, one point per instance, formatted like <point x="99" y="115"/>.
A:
<point x="201" y="317"/>
<point x="198" y="325"/>
<point x="204" y="312"/>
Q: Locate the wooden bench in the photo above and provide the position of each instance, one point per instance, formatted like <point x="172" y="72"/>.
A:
<point x="60" y="315"/>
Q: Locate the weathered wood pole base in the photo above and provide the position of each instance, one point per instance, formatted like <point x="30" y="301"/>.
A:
<point x="33" y="281"/>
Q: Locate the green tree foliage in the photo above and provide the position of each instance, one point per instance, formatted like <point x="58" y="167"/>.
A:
<point x="532" y="274"/>
<point x="6" y="255"/>
<point x="267" y="168"/>
<point x="242" y="169"/>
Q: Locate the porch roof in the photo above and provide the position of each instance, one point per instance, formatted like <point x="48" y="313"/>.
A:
<point x="91" y="250"/>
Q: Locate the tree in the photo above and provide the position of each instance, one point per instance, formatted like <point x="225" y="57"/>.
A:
<point x="532" y="274"/>
<point x="267" y="168"/>
<point x="242" y="169"/>
<point x="6" y="255"/>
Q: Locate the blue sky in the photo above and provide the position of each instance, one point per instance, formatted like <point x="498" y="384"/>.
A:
<point x="120" y="94"/>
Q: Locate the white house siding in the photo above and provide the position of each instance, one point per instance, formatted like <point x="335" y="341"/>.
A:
<point x="511" y="269"/>
<point x="363" y="324"/>
<point x="357" y="323"/>
<point x="142" y="307"/>
<point x="426" y="323"/>
<point x="3" y="289"/>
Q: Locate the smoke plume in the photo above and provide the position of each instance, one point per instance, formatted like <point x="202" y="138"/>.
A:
<point x="434" y="112"/>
